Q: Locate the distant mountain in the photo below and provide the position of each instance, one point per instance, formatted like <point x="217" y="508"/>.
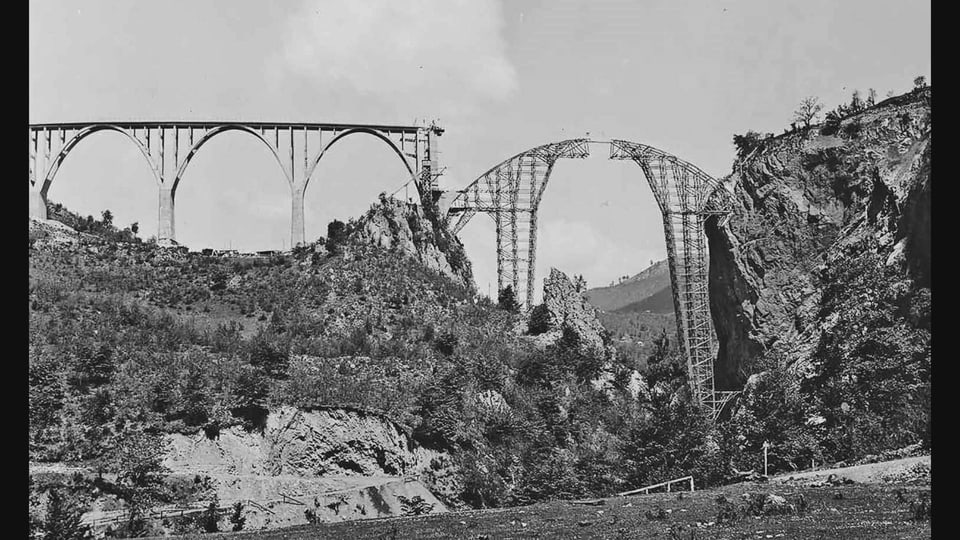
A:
<point x="660" y="302"/>
<point x="637" y="310"/>
<point x="637" y="293"/>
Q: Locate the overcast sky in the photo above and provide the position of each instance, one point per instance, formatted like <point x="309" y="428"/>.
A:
<point x="501" y="77"/>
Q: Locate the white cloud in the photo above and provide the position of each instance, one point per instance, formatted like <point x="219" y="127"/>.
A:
<point x="430" y="56"/>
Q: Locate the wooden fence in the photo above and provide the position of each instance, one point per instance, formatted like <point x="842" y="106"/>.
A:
<point x="668" y="483"/>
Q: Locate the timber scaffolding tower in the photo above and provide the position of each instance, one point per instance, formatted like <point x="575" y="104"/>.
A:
<point x="511" y="194"/>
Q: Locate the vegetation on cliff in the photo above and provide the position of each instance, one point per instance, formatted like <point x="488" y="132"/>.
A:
<point x="820" y="287"/>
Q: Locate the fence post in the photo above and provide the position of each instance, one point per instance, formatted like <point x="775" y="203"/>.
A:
<point x="691" y="483"/>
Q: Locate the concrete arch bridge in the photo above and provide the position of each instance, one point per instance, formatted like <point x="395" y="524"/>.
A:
<point x="170" y="146"/>
<point x="511" y="192"/>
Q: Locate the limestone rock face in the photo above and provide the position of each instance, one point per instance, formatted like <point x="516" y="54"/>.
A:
<point x="406" y="228"/>
<point x="304" y="444"/>
<point x="334" y="442"/>
<point x="801" y="201"/>
<point x="341" y="464"/>
<point x="566" y="306"/>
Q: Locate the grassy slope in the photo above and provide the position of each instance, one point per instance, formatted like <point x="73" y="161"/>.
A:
<point x="864" y="512"/>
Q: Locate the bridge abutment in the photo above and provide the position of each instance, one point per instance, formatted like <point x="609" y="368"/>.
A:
<point x="38" y="204"/>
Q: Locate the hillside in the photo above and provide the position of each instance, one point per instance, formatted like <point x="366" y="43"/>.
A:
<point x="881" y="503"/>
<point x="632" y="290"/>
<point x="659" y="302"/>
<point x="234" y="370"/>
<point x="637" y="311"/>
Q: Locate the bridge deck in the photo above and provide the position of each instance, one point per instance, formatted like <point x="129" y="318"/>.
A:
<point x="214" y="123"/>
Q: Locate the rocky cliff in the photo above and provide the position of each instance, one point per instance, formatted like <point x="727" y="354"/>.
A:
<point x="414" y="231"/>
<point x="307" y="444"/>
<point x="339" y="463"/>
<point x="809" y="202"/>
<point x="565" y="306"/>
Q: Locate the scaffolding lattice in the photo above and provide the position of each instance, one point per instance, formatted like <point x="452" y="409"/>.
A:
<point x="511" y="193"/>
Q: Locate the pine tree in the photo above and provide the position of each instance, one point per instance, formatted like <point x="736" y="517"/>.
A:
<point x="208" y="520"/>
<point x="63" y="519"/>
<point x="507" y="299"/>
<point x="236" y="518"/>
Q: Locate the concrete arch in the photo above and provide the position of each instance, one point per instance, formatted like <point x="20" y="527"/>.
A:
<point x="351" y="131"/>
<point x="223" y="129"/>
<point x="84" y="133"/>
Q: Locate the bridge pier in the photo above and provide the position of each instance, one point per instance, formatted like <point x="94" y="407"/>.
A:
<point x="38" y="204"/>
<point x="297" y="228"/>
<point x="165" y="230"/>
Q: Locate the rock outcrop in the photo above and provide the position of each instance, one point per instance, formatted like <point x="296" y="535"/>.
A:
<point x="803" y="201"/>
<point x="306" y="444"/>
<point x="405" y="227"/>
<point x="339" y="463"/>
<point x="566" y="307"/>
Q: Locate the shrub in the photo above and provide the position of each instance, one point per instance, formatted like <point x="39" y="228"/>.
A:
<point x="658" y="514"/>
<point x="832" y="123"/>
<point x="920" y="509"/>
<point x="852" y="130"/>
<point x="63" y="518"/>
<point x="539" y="320"/>
<point x="446" y="343"/>
<point x="746" y="143"/>
<point x="727" y="511"/>
<point x="414" y="506"/>
<point x="336" y="234"/>
<point x="209" y="518"/>
<point x="507" y="300"/>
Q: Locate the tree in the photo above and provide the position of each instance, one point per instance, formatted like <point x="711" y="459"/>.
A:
<point x="919" y="83"/>
<point x="871" y="97"/>
<point x="269" y="356"/>
<point x="208" y="519"/>
<point x="336" y="234"/>
<point x="856" y="103"/>
<point x="507" y="299"/>
<point x="137" y="458"/>
<point x="63" y="519"/>
<point x="808" y="111"/>
<point x="135" y="227"/>
<point x="746" y="143"/>
<point x="539" y="320"/>
<point x="106" y="218"/>
<point x="579" y="283"/>
<point x="832" y="124"/>
<point x="236" y="518"/>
